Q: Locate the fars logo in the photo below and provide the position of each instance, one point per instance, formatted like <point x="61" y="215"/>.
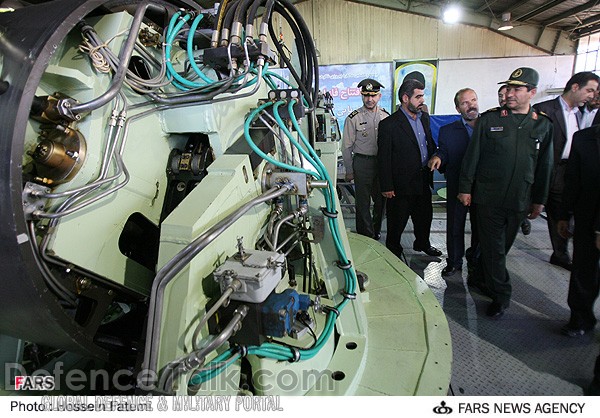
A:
<point x="34" y="382"/>
<point x="442" y="409"/>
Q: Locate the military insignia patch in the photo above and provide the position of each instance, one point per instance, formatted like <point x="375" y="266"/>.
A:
<point x="534" y="116"/>
<point x="504" y="113"/>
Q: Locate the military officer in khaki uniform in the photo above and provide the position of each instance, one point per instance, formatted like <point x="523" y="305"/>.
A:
<point x="359" y="151"/>
<point x="506" y="172"/>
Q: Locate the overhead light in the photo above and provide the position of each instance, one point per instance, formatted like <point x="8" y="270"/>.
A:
<point x="451" y="13"/>
<point x="506" y="24"/>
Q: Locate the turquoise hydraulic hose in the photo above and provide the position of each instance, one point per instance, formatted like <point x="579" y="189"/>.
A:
<point x="291" y="137"/>
<point x="177" y="80"/>
<point x="170" y="37"/>
<point x="270" y="159"/>
<point x="272" y="350"/>
<point x="190" y="50"/>
<point x="330" y="202"/>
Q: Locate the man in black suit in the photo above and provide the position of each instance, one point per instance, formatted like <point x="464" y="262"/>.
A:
<point x="453" y="141"/>
<point x="581" y="200"/>
<point x="563" y="111"/>
<point x="405" y="145"/>
<point x="594" y="388"/>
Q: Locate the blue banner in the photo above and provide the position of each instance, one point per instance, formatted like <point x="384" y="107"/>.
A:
<point x="341" y="82"/>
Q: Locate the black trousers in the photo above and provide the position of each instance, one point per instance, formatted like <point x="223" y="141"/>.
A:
<point x="419" y="209"/>
<point x="366" y="186"/>
<point x="584" y="282"/>
<point x="455" y="229"/>
<point x="498" y="229"/>
<point x="553" y="207"/>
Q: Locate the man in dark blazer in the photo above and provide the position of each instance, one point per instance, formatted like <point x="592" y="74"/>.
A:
<point x="581" y="200"/>
<point x="563" y="111"/>
<point x="405" y="145"/>
<point x="594" y="388"/>
<point x="453" y="140"/>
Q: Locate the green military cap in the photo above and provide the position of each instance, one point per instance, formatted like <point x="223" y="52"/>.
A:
<point x="369" y="87"/>
<point x="523" y="76"/>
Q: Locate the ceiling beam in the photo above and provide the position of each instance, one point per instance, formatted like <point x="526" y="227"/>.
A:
<point x="487" y="6"/>
<point x="586" y="31"/>
<point x="570" y="12"/>
<point x="589" y="21"/>
<point x="515" y="6"/>
<point x="539" y="10"/>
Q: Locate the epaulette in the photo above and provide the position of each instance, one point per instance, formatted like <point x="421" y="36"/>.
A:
<point x="539" y="112"/>
<point x="384" y="111"/>
<point x="351" y="115"/>
<point x="493" y="109"/>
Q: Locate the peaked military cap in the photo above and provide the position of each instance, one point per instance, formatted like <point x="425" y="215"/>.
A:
<point x="369" y="87"/>
<point x="523" y="76"/>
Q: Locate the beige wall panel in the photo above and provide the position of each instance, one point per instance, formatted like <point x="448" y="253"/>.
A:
<point x="347" y="32"/>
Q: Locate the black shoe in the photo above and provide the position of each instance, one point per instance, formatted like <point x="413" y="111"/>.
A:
<point x="526" y="227"/>
<point x="574" y="332"/>
<point x="495" y="310"/>
<point x="431" y="251"/>
<point x="450" y="270"/>
<point x="377" y="236"/>
<point x="567" y="265"/>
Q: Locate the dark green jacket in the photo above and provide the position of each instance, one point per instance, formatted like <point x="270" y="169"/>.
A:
<point x="508" y="163"/>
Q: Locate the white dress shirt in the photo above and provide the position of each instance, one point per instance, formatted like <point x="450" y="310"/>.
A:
<point x="571" y="115"/>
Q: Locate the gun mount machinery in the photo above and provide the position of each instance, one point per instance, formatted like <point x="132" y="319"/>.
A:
<point x="166" y="209"/>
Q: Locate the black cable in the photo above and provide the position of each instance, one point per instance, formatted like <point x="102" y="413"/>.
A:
<point x="267" y="13"/>
<point x="251" y="17"/>
<point x="305" y="267"/>
<point x="311" y="284"/>
<point x="242" y="11"/>
<point x="298" y="40"/>
<point x="229" y="13"/>
<point x="308" y="42"/>
<point x="310" y="330"/>
<point x="293" y="72"/>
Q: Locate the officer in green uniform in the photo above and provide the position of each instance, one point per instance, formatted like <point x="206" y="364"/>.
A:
<point x="506" y="173"/>
<point x="359" y="151"/>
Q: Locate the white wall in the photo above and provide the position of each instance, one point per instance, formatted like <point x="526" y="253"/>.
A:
<point x="483" y="76"/>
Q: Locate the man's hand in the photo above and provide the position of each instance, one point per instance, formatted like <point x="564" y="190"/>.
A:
<point x="349" y="177"/>
<point x="562" y="227"/>
<point x="434" y="163"/>
<point x="465" y="198"/>
<point x="534" y="210"/>
<point x="388" y="195"/>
